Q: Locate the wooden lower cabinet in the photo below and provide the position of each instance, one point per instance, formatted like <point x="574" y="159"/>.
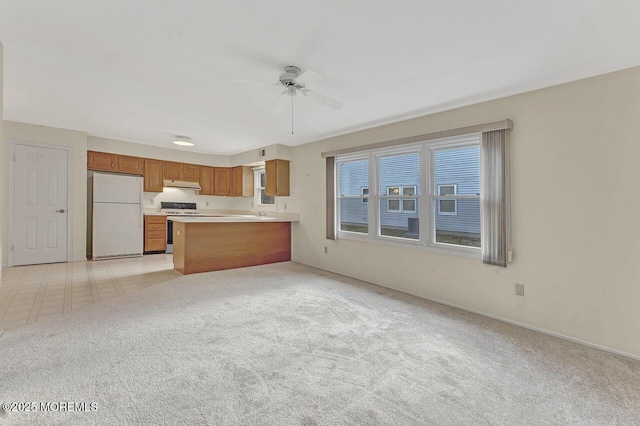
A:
<point x="155" y="233"/>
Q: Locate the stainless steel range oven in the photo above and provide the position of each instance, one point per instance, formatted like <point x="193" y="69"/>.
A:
<point x="176" y="209"/>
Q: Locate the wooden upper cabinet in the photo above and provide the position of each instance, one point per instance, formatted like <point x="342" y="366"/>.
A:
<point x="277" y="177"/>
<point x="153" y="175"/>
<point x="131" y="165"/>
<point x="241" y="181"/>
<point x="222" y="180"/>
<point x="190" y="173"/>
<point x="207" y="181"/>
<point x="181" y="171"/>
<point x="172" y="171"/>
<point x="101" y="161"/>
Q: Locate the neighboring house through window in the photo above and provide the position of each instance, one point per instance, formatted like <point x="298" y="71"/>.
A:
<point x="447" y="207"/>
<point x="364" y="191"/>
<point x="425" y="194"/>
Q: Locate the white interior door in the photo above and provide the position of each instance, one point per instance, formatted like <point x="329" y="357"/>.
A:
<point x="40" y="205"/>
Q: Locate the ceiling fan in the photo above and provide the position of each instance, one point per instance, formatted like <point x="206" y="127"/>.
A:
<point x="294" y="81"/>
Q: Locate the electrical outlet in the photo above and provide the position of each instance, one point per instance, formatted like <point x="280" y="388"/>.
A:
<point x="326" y="249"/>
<point x="285" y="206"/>
<point x="252" y="204"/>
<point x="207" y="203"/>
<point x="519" y="289"/>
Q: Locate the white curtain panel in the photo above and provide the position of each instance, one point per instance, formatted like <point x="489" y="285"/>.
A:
<point x="495" y="197"/>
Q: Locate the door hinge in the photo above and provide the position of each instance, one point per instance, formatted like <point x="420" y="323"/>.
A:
<point x="12" y="247"/>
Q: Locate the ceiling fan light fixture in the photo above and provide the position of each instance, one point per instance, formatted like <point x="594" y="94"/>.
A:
<point x="183" y="141"/>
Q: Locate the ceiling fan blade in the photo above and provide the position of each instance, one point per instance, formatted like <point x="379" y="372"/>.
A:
<point x="281" y="103"/>
<point x="264" y="83"/>
<point x="309" y="76"/>
<point x="324" y="100"/>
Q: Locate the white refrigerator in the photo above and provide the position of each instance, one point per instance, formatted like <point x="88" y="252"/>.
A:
<point x="117" y="216"/>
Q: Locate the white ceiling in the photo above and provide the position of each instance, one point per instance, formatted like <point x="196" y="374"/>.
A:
<point x="147" y="70"/>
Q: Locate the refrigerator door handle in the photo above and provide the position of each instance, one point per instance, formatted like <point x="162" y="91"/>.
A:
<point x="140" y="216"/>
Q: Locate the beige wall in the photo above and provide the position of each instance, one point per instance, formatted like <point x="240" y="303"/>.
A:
<point x="3" y="212"/>
<point x="21" y="132"/>
<point x="576" y="211"/>
<point x="149" y="151"/>
<point x="271" y="152"/>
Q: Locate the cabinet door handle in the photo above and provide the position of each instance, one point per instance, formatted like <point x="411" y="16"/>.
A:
<point x="60" y="211"/>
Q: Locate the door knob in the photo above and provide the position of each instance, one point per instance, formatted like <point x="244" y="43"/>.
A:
<point x="60" y="211"/>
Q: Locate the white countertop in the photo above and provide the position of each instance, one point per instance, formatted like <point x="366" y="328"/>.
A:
<point x="229" y="219"/>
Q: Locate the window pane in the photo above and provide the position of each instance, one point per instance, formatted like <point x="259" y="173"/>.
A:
<point x="408" y="190"/>
<point x="447" y="189"/>
<point x="393" y="190"/>
<point x="462" y="228"/>
<point x="401" y="224"/>
<point x="457" y="171"/>
<point x="409" y="205"/>
<point x="447" y="206"/>
<point x="354" y="215"/>
<point x="266" y="199"/>
<point x="399" y="171"/>
<point x="354" y="175"/>
<point x="263" y="179"/>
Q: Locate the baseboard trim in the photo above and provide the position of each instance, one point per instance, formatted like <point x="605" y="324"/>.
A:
<point x="496" y="317"/>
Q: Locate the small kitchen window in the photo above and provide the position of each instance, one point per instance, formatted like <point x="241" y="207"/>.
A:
<point x="261" y="198"/>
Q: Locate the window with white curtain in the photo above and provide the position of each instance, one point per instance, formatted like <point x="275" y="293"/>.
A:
<point x="423" y="195"/>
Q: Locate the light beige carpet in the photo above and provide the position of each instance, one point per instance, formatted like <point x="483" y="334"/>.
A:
<point x="289" y="344"/>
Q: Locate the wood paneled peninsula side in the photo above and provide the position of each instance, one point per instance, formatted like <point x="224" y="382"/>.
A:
<point x="203" y="244"/>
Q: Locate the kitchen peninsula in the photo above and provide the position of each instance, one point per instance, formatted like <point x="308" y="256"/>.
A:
<point x="203" y="244"/>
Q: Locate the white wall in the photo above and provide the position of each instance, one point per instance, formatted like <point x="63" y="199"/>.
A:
<point x="576" y="210"/>
<point x="22" y="132"/>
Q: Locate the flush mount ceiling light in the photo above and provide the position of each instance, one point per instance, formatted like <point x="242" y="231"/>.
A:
<point x="183" y="141"/>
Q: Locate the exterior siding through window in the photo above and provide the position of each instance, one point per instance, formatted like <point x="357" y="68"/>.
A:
<point x="460" y="166"/>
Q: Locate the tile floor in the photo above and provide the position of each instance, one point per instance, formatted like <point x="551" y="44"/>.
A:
<point x="32" y="293"/>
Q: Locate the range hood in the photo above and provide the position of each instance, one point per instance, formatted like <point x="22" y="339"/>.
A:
<point x="168" y="183"/>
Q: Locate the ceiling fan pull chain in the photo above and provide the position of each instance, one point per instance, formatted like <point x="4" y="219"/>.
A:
<point x="292" y="115"/>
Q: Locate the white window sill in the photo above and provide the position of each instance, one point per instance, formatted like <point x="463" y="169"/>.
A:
<point x="446" y="249"/>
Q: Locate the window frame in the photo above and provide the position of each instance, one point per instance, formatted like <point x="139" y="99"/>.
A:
<point x="351" y="234"/>
<point x="257" y="199"/>
<point x="425" y="198"/>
